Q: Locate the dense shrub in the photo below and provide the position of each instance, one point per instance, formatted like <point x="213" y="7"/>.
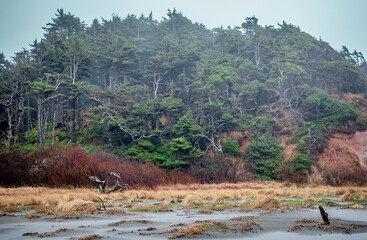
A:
<point x="264" y="157"/>
<point x="343" y="173"/>
<point x="216" y="170"/>
<point x="72" y="167"/>
<point x="330" y="114"/>
<point x="232" y="147"/>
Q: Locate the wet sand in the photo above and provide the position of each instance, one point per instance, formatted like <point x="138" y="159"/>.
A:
<point x="152" y="225"/>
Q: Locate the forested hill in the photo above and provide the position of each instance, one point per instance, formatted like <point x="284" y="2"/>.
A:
<point x="177" y="94"/>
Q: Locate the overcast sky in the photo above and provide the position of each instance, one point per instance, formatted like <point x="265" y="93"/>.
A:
<point x="339" y="22"/>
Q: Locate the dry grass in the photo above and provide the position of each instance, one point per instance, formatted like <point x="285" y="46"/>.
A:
<point x="268" y="203"/>
<point x="190" y="231"/>
<point x="170" y="230"/>
<point x="125" y="221"/>
<point x="77" y="206"/>
<point x="358" y="206"/>
<point x="191" y="201"/>
<point x="47" y="234"/>
<point x="31" y="196"/>
<point x="217" y="201"/>
<point x="246" y="227"/>
<point x="246" y="201"/>
<point x="46" y="199"/>
<point x="116" y="211"/>
<point x="237" y="191"/>
<point x="199" y="228"/>
<point x="346" y="197"/>
<point x="31" y="216"/>
<point x="88" y="237"/>
<point x="205" y="211"/>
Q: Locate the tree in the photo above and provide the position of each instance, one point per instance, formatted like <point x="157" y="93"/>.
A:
<point x="44" y="91"/>
<point x="117" y="58"/>
<point x="254" y="33"/>
<point x="289" y="87"/>
<point x="232" y="147"/>
<point x="77" y="58"/>
<point x="342" y="77"/>
<point x="264" y="156"/>
<point x="183" y="150"/>
<point x="64" y="25"/>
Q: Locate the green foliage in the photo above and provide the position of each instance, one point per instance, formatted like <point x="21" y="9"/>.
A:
<point x="187" y="127"/>
<point x="26" y="149"/>
<point x="169" y="158"/>
<point x="182" y="149"/>
<point x="178" y="86"/>
<point x="310" y="138"/>
<point x="40" y="87"/>
<point x="265" y="157"/>
<point x="171" y="104"/>
<point x="258" y="125"/>
<point x="321" y="108"/>
<point x="141" y="151"/>
<point x="231" y="147"/>
<point x="95" y="131"/>
<point x="33" y="137"/>
<point x="302" y="162"/>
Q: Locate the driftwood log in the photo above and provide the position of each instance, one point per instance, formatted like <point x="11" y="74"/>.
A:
<point x="103" y="184"/>
<point x="324" y="215"/>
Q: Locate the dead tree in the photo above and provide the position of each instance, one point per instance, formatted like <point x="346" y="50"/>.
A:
<point x="324" y="215"/>
<point x="103" y="184"/>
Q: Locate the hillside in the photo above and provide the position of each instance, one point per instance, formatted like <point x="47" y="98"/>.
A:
<point x="226" y="104"/>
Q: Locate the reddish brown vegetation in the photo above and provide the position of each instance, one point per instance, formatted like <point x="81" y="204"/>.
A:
<point x="218" y="170"/>
<point x="344" y="161"/>
<point x="72" y="167"/>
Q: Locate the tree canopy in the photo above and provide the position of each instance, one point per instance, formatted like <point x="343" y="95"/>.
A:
<point x="170" y="91"/>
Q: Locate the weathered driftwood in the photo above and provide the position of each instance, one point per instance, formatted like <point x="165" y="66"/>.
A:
<point x="103" y="184"/>
<point x="324" y="215"/>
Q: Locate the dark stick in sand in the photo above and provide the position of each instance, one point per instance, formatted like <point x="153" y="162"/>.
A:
<point x="324" y="215"/>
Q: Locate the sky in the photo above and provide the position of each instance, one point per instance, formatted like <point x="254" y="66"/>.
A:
<point x="338" y="22"/>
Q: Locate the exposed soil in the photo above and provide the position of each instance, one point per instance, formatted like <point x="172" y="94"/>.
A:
<point x="348" y="146"/>
<point x="345" y="156"/>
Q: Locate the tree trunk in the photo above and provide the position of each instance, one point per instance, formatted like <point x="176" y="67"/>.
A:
<point x="28" y="121"/>
<point x="10" y="133"/>
<point x="45" y="113"/>
<point x="39" y="122"/>
<point x="53" y="128"/>
<point x="73" y="122"/>
<point x="21" y="133"/>
<point x="79" y="114"/>
<point x="109" y="138"/>
<point x="294" y="114"/>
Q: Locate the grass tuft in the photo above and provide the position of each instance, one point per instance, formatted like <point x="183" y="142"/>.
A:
<point x="77" y="206"/>
<point x="268" y="203"/>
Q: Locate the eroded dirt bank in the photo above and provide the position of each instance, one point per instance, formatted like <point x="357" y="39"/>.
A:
<point x="343" y="160"/>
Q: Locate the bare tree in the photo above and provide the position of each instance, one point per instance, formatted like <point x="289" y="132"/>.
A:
<point x="45" y="91"/>
<point x="156" y="81"/>
<point x="289" y="95"/>
<point x="12" y="97"/>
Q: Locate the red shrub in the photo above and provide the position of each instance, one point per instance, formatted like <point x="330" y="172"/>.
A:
<point x="343" y="173"/>
<point x="73" y="166"/>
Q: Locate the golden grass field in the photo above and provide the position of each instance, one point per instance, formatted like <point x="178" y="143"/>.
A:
<point x="44" y="199"/>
